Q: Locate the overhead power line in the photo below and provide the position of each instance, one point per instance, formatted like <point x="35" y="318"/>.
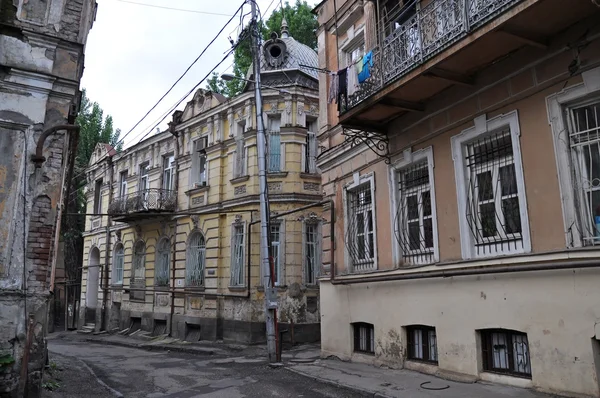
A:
<point x="175" y="9"/>
<point x="121" y="140"/>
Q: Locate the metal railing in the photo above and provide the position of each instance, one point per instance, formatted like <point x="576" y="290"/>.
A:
<point x="152" y="199"/>
<point x="432" y="29"/>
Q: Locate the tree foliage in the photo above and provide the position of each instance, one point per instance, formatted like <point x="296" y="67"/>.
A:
<point x="302" y="25"/>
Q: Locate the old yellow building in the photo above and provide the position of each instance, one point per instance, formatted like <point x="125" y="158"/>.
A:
<point x="174" y="245"/>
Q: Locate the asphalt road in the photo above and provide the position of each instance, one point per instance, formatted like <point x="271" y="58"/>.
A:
<point x="94" y="370"/>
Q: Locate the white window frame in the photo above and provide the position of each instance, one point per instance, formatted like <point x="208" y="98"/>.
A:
<point x="317" y="251"/>
<point x="168" y="171"/>
<point x="310" y="148"/>
<point x="240" y="144"/>
<point x="118" y="264"/>
<point x="234" y="226"/>
<point x="358" y="181"/>
<point x="409" y="159"/>
<point x="348" y="49"/>
<point x="197" y="177"/>
<point x="158" y="260"/>
<point x="200" y="256"/>
<point x="277" y="129"/>
<point x="557" y="105"/>
<point x="482" y="126"/>
<point x="280" y="247"/>
<point x="123" y="175"/>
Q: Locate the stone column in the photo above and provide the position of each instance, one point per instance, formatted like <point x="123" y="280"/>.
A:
<point x="370" y="25"/>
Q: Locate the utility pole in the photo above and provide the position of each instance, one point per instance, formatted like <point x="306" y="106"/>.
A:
<point x="270" y="291"/>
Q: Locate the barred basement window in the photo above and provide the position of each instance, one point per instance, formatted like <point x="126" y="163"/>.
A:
<point x="119" y="259"/>
<point x="491" y="189"/>
<point x="584" y="138"/>
<point x="195" y="260"/>
<point x="422" y="343"/>
<point x="505" y="351"/>
<point x="414" y="216"/>
<point x="360" y="239"/>
<point x="163" y="255"/>
<point x="364" y="337"/>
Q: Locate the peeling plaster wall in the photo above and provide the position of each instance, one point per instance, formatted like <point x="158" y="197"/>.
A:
<point x="41" y="53"/>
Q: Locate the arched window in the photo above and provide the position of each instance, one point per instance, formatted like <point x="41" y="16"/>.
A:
<point x="118" y="262"/>
<point x="138" y="274"/>
<point x="163" y="256"/>
<point x="195" y="260"/>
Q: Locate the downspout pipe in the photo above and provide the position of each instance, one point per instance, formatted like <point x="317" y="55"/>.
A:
<point x="74" y="140"/>
<point x="38" y="158"/>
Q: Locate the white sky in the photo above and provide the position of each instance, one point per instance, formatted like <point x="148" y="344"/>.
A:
<point x="135" y="53"/>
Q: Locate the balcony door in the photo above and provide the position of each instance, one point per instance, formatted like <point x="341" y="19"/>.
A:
<point x="144" y="185"/>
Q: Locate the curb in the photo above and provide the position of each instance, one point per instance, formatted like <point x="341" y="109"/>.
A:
<point x="154" y="347"/>
<point x="375" y="394"/>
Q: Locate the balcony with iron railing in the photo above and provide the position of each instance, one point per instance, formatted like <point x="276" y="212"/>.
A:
<point x="448" y="42"/>
<point x="144" y="202"/>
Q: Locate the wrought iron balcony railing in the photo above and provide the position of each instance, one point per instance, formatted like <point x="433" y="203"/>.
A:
<point x="431" y="30"/>
<point x="148" y="200"/>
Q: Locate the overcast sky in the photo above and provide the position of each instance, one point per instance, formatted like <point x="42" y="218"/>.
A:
<point x="135" y="53"/>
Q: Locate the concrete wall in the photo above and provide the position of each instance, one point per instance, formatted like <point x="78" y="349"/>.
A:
<point x="557" y="310"/>
<point x="41" y="61"/>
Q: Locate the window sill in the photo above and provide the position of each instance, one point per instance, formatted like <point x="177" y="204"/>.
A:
<point x="161" y="288"/>
<point x="310" y="176"/>
<point x="197" y="189"/>
<point x="280" y="288"/>
<point x="371" y="354"/>
<point x="239" y="179"/>
<point x="117" y="285"/>
<point x="421" y="361"/>
<point x="199" y="289"/>
<point x="277" y="174"/>
<point x="507" y="374"/>
<point x="237" y="288"/>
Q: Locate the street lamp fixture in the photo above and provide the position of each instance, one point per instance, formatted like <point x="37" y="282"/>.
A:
<point x="229" y="77"/>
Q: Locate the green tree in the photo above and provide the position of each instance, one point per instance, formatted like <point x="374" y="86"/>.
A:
<point x="95" y="128"/>
<point x="302" y="25"/>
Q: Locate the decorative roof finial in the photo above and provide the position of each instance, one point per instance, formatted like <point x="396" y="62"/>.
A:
<point x="284" y="28"/>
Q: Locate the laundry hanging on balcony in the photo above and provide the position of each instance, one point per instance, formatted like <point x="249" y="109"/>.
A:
<point x="365" y="67"/>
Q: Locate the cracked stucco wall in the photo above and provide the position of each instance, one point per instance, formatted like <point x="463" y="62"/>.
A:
<point x="41" y="54"/>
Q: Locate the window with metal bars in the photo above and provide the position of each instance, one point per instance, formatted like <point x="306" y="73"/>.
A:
<point x="237" y="256"/>
<point x="274" y="145"/>
<point x="414" y="216"/>
<point x="195" y="260"/>
<point x="119" y="259"/>
<point x="312" y="264"/>
<point x="584" y="140"/>
<point x="360" y="237"/>
<point x="138" y="273"/>
<point x="310" y="148"/>
<point x="505" y="351"/>
<point x="163" y="255"/>
<point x="276" y="252"/>
<point x="364" y="337"/>
<point x="422" y="343"/>
<point x="493" y="209"/>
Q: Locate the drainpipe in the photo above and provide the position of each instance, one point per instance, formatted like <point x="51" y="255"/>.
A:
<point x="38" y="159"/>
<point x="111" y="173"/>
<point x="74" y="139"/>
